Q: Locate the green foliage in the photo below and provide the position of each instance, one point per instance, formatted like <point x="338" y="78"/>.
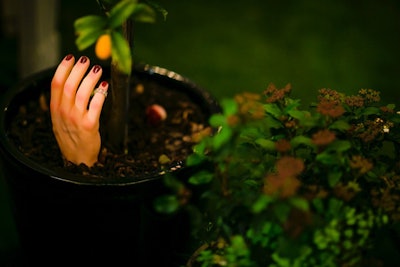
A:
<point x="121" y="52"/>
<point x="166" y="204"/>
<point x="285" y="186"/>
<point x="89" y="28"/>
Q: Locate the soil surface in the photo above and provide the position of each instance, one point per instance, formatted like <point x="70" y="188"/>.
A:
<point x="152" y="148"/>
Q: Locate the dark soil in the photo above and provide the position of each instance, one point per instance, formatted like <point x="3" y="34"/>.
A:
<point x="172" y="139"/>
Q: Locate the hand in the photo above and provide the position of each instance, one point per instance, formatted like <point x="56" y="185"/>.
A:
<point x="74" y="114"/>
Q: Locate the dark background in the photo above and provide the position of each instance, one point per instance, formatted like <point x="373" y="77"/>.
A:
<point x="243" y="45"/>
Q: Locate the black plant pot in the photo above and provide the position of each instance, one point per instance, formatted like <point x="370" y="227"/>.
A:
<point x="68" y="219"/>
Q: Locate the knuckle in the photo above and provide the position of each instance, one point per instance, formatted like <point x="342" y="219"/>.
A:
<point x="56" y="83"/>
<point x="69" y="88"/>
<point x="79" y="98"/>
<point x="66" y="114"/>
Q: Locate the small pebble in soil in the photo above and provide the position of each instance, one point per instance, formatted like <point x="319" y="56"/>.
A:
<point x="139" y="88"/>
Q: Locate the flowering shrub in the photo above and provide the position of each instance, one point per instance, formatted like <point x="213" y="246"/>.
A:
<point x="284" y="186"/>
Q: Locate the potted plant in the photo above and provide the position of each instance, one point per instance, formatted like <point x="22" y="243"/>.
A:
<point x="113" y="39"/>
<point x="293" y="186"/>
<point x="71" y="213"/>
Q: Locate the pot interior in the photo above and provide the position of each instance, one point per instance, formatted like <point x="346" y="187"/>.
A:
<point x="20" y="98"/>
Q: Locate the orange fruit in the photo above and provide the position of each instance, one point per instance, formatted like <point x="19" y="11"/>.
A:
<point x="103" y="47"/>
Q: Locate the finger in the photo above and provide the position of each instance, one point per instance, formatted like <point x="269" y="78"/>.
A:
<point x="73" y="81"/>
<point x="60" y="76"/>
<point x="96" y="104"/>
<point x="86" y="88"/>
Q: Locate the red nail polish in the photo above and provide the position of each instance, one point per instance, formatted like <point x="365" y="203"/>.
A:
<point x="83" y="59"/>
<point x="96" y="68"/>
<point x="104" y="84"/>
<point x="68" y="57"/>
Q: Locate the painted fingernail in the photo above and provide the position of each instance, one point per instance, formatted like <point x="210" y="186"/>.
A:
<point x="96" y="69"/>
<point x="83" y="59"/>
<point x="104" y="84"/>
<point x="68" y="57"/>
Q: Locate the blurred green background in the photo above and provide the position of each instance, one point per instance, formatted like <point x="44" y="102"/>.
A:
<point x="232" y="46"/>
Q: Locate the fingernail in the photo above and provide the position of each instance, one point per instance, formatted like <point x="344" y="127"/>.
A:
<point x="83" y="59"/>
<point x="68" y="57"/>
<point x="104" y="84"/>
<point x="96" y="68"/>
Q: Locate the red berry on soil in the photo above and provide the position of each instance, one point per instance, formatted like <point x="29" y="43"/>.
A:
<point x="155" y="114"/>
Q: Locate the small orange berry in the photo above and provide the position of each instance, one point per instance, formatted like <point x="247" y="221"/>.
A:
<point x="103" y="47"/>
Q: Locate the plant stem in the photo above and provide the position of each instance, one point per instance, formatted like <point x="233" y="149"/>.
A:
<point x="117" y="122"/>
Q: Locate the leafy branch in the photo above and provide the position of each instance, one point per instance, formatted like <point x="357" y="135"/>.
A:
<point x="90" y="28"/>
<point x="113" y="37"/>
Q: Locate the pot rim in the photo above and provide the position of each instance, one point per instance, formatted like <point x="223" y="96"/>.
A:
<point x="9" y="150"/>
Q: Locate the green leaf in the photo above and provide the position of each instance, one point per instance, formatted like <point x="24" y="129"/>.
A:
<point x="271" y="122"/>
<point x="327" y="158"/>
<point x="310" y="120"/>
<point x="250" y="133"/>
<point x="144" y="13"/>
<point x="106" y="5"/>
<point x="391" y="106"/>
<point x="229" y="107"/>
<point x="159" y="8"/>
<point x="261" y="203"/>
<point x="121" y="12"/>
<point x="88" y="37"/>
<point x="200" y="148"/>
<point x="282" y="212"/>
<point x="273" y="109"/>
<point x="292" y="104"/>
<point x="370" y="111"/>
<point x="340" y="146"/>
<point x="318" y="205"/>
<point x="166" y="204"/>
<point x="202" y="177"/>
<point x="251" y="183"/>
<point x="334" y="177"/>
<point x="298" y="114"/>
<point x="266" y="144"/>
<point x="121" y="52"/>
<point x="217" y="120"/>
<point x="194" y="159"/>
<point x="222" y="137"/>
<point x="395" y="119"/>
<point x="91" y="22"/>
<point x="340" y="125"/>
<point x="301" y="140"/>
<point x="172" y="182"/>
<point x="335" y="206"/>
<point x="299" y="203"/>
<point x="282" y="262"/>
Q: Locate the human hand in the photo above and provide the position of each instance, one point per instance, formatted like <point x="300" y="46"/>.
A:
<point x="74" y="114"/>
